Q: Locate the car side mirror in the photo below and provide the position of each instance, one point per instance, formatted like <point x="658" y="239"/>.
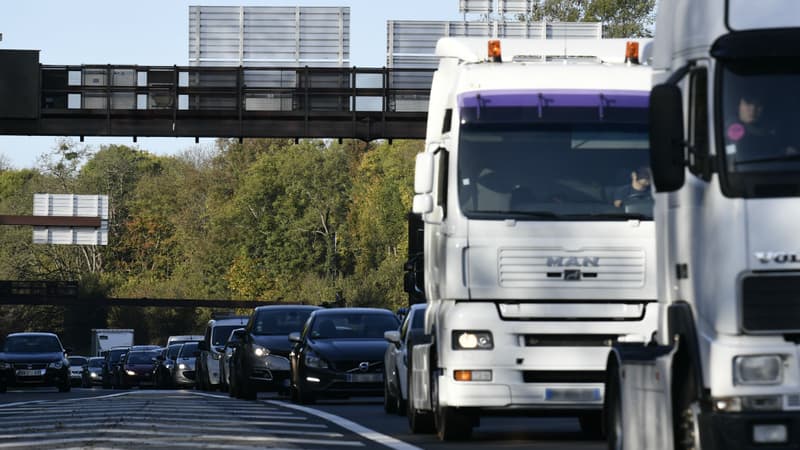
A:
<point x="667" y="145"/>
<point x="295" y="337"/>
<point x="392" y="336"/>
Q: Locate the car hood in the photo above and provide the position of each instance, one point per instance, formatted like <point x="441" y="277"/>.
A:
<point x="139" y="367"/>
<point x="350" y="349"/>
<point x="275" y="344"/>
<point x="30" y="357"/>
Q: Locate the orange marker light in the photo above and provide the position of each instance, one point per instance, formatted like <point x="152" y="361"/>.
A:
<point x="632" y="52"/>
<point x="462" y="375"/>
<point x="495" y="55"/>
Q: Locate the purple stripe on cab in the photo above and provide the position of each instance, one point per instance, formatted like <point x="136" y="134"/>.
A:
<point x="554" y="99"/>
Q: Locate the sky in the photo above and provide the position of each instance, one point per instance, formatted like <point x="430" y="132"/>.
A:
<point x="156" y="32"/>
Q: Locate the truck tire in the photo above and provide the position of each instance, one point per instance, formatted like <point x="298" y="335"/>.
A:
<point x="451" y="423"/>
<point x="418" y="421"/>
<point x="613" y="410"/>
<point x="685" y="406"/>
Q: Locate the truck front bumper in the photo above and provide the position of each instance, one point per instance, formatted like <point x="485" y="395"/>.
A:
<point x="747" y="430"/>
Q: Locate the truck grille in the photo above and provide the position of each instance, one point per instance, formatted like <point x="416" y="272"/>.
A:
<point x="553" y="267"/>
<point x="771" y="303"/>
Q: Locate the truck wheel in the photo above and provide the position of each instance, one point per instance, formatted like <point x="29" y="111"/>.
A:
<point x="592" y="424"/>
<point x="389" y="400"/>
<point x="686" y="408"/>
<point x="613" y="410"/>
<point x="451" y="423"/>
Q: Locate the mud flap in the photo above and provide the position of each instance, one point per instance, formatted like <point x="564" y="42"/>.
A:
<point x="420" y="371"/>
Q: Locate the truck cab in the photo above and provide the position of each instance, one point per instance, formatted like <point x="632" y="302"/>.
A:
<point x="722" y="370"/>
<point x="539" y="243"/>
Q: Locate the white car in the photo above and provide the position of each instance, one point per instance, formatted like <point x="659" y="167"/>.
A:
<point x="395" y="380"/>
<point x="76" y="364"/>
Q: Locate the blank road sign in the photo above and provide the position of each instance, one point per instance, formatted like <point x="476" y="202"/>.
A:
<point x="70" y="205"/>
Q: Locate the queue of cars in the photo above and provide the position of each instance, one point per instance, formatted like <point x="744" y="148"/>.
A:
<point x="302" y="351"/>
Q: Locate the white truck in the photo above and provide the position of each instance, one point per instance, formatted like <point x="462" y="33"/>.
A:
<point x="105" y="338"/>
<point x="539" y="244"/>
<point x="722" y="370"/>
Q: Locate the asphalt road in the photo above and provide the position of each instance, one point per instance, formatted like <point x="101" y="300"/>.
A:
<point x="97" y="418"/>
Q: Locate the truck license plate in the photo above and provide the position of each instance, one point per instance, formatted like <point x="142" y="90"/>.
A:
<point x="30" y="373"/>
<point x="364" y="377"/>
<point x="572" y="395"/>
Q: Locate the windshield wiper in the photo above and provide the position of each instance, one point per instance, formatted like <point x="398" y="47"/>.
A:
<point x="513" y="214"/>
<point x="618" y="216"/>
<point x="792" y="157"/>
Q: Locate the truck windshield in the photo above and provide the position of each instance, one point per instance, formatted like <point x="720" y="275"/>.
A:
<point x="581" y="171"/>
<point x="760" y="137"/>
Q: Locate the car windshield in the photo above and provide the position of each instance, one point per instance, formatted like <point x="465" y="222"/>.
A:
<point x="353" y="325"/>
<point x="32" y="344"/>
<point x="220" y="334"/>
<point x="96" y="362"/>
<point x="76" y="360"/>
<point x="187" y="350"/>
<point x="115" y="355"/>
<point x="418" y="319"/>
<point x="172" y="351"/>
<point x="280" y="322"/>
<point x="141" y="357"/>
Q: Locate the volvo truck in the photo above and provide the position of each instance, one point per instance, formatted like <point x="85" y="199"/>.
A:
<point x="539" y="243"/>
<point x="721" y="372"/>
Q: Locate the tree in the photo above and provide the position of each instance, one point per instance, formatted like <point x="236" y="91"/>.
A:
<point x="623" y="18"/>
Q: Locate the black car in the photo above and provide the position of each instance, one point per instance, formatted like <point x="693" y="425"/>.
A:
<point x="137" y="368"/>
<point x="111" y="365"/>
<point x="260" y="361"/>
<point x="164" y="369"/>
<point x="340" y="353"/>
<point x="34" y="359"/>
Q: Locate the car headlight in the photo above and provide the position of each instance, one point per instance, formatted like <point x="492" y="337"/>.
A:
<point x="181" y="366"/>
<point x="130" y="372"/>
<point x="56" y="365"/>
<point x="93" y="374"/>
<point x="472" y="340"/>
<point x="313" y="360"/>
<point x="260" y="351"/>
<point x="168" y="365"/>
<point x="758" y="369"/>
<point x="4" y="365"/>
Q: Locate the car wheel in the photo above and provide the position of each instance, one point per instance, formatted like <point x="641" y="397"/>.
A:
<point x="304" y="397"/>
<point x="400" y="407"/>
<point x="389" y="400"/>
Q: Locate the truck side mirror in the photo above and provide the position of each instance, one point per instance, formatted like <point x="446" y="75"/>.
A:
<point x="423" y="174"/>
<point x="423" y="204"/>
<point x="667" y="144"/>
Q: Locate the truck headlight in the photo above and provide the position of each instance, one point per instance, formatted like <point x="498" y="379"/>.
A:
<point x="56" y="365"/>
<point x="758" y="369"/>
<point x="472" y="340"/>
<point x="260" y="351"/>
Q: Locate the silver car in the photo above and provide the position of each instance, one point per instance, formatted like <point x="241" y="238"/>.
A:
<point x="76" y="364"/>
<point x="184" y="372"/>
<point x="395" y="380"/>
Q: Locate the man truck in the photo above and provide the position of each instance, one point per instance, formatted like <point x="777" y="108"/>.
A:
<point x="721" y="372"/>
<point x="539" y="243"/>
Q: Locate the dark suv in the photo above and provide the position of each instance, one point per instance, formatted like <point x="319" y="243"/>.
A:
<point x="260" y="361"/>
<point x="34" y="359"/>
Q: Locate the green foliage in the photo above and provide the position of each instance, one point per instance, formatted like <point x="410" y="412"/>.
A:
<point x="620" y="18"/>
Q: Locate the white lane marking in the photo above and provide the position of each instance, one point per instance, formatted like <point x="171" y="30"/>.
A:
<point x="151" y="443"/>
<point x="359" y="429"/>
<point x="99" y="434"/>
<point x="32" y="402"/>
